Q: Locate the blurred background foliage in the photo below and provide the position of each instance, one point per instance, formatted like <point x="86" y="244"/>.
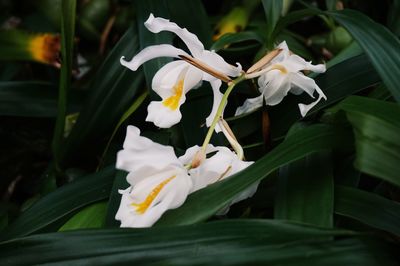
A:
<point x="328" y="180"/>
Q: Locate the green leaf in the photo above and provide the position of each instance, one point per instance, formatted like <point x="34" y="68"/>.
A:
<point x="206" y="202"/>
<point x="368" y="208"/>
<point x="393" y="18"/>
<point x="191" y="15"/>
<point x="273" y="11"/>
<point x="113" y="90"/>
<point x="381" y="46"/>
<point x="67" y="40"/>
<point x="115" y="198"/>
<point x="305" y="191"/>
<point x="61" y="203"/>
<point x="293" y="17"/>
<point x="91" y="216"/>
<point x="376" y="126"/>
<point x="33" y="99"/>
<point x="231" y="38"/>
<point x="240" y="242"/>
<point x="330" y="4"/>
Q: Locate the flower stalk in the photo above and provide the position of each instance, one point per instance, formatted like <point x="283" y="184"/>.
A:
<point x="220" y="110"/>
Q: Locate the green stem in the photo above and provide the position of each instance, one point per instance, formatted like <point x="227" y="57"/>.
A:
<point x="220" y="110"/>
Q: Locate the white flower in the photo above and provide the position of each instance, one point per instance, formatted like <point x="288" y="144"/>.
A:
<point x="281" y="75"/>
<point x="176" y="78"/>
<point x="223" y="164"/>
<point x="159" y="181"/>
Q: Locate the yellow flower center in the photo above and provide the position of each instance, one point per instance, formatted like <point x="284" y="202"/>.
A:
<point x="281" y="68"/>
<point x="172" y="102"/>
<point x="45" y="48"/>
<point x="144" y="205"/>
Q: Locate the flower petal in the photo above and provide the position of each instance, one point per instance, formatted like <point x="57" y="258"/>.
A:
<point x="151" y="52"/>
<point x="215" y="61"/>
<point x="250" y="105"/>
<point x="172" y="82"/>
<point x="168" y="76"/>
<point x="277" y="87"/>
<point x="142" y="154"/>
<point x="216" y="84"/>
<point x="295" y="63"/>
<point x="301" y="82"/>
<point x="157" y="25"/>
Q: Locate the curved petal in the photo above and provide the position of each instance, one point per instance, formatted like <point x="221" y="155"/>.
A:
<point x="250" y="105"/>
<point x="295" y="63"/>
<point x="140" y="153"/>
<point x="172" y="82"/>
<point x="157" y="25"/>
<point x="215" y="61"/>
<point x="163" y="116"/>
<point x="151" y="52"/>
<point x="168" y="76"/>
<point x="191" y="152"/>
<point x="276" y="89"/>
<point x="216" y="84"/>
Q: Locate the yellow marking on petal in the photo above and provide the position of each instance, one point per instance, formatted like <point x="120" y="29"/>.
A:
<point x="172" y="102"/>
<point x="281" y="68"/>
<point x="144" y="205"/>
<point x="44" y="48"/>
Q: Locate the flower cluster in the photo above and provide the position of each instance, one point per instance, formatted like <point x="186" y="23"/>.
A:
<point x="159" y="180"/>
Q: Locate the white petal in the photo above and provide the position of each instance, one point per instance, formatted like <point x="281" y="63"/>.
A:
<point x="276" y="89"/>
<point x="165" y="83"/>
<point x="217" y="95"/>
<point x="168" y="76"/>
<point x="212" y="169"/>
<point x="295" y="63"/>
<point x="190" y="153"/>
<point x="163" y="116"/>
<point x="157" y="25"/>
<point x="215" y="61"/>
<point x="151" y="52"/>
<point x="283" y="55"/>
<point x="301" y="82"/>
<point x="250" y="105"/>
<point x="141" y="153"/>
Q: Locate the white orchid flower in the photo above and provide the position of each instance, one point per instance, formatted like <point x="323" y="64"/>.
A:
<point x="159" y="181"/>
<point x="223" y="164"/>
<point x="281" y="75"/>
<point x="176" y="78"/>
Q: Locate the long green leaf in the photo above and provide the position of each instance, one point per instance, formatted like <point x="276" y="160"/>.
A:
<point x="305" y="191"/>
<point x="206" y="202"/>
<point x="273" y="11"/>
<point x="376" y="126"/>
<point x="251" y="242"/>
<point x="368" y="208"/>
<point x="60" y="203"/>
<point x="381" y="46"/>
<point x="113" y="90"/>
<point x="67" y="41"/>
<point x="33" y="99"/>
<point x="91" y="216"/>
